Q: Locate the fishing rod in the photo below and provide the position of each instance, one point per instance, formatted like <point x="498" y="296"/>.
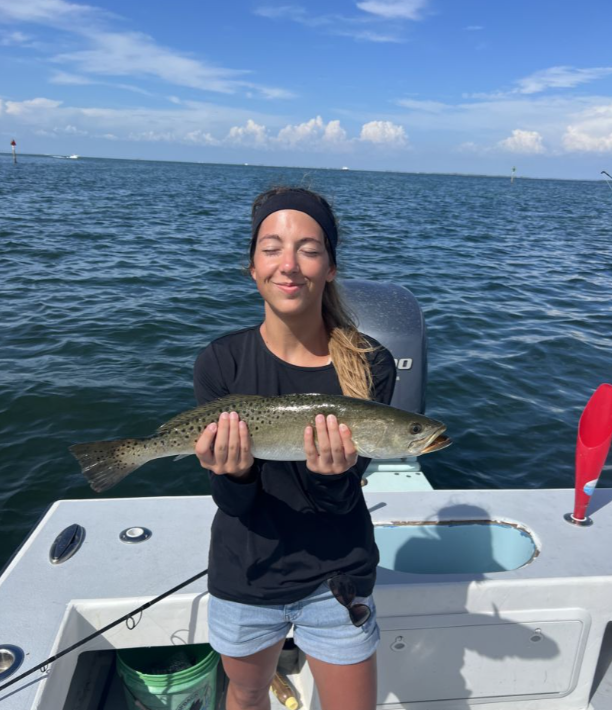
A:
<point x="42" y="666"/>
<point x="608" y="183"/>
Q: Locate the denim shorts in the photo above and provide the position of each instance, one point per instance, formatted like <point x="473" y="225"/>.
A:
<point x="321" y="628"/>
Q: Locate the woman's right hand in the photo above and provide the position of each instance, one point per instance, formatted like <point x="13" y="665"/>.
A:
<point x="225" y="447"/>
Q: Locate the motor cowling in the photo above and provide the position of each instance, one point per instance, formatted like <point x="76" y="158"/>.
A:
<point x="392" y="315"/>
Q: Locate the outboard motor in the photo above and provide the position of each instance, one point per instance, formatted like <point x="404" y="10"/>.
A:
<point x="392" y="315"/>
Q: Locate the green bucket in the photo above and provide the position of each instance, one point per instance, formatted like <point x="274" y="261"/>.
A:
<point x="151" y="683"/>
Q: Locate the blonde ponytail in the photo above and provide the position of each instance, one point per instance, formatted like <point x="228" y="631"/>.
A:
<point x="347" y="347"/>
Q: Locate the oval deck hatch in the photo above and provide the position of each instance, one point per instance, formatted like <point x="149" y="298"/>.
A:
<point x="67" y="543"/>
<point x="454" y="547"/>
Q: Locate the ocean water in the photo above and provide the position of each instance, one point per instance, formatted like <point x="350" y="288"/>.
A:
<point x="114" y="274"/>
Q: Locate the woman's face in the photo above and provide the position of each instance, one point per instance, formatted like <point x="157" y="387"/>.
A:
<point x="290" y="263"/>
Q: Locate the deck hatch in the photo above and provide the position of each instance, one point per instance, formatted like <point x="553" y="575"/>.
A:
<point x="454" y="546"/>
<point x="67" y="543"/>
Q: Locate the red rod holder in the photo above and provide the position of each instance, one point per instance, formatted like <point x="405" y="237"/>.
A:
<point x="594" y="437"/>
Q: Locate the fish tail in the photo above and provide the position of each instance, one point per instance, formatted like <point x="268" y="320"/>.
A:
<point x="105" y="463"/>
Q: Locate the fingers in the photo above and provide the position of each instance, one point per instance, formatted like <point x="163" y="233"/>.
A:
<point x="309" y="446"/>
<point x="347" y="441"/>
<point x="336" y="452"/>
<point x="232" y="451"/>
<point x="225" y="447"/>
<point x="204" y="445"/>
<point x="246" y="458"/>
<point x="324" y="438"/>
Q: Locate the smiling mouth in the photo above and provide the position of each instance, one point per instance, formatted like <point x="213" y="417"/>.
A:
<point x="289" y="287"/>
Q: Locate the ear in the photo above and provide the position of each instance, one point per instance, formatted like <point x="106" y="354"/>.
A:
<point x="252" y="272"/>
<point x="331" y="274"/>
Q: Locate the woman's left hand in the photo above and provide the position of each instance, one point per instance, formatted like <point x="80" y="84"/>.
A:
<point x="336" y="451"/>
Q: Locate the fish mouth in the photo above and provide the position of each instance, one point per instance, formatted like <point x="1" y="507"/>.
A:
<point x="436" y="443"/>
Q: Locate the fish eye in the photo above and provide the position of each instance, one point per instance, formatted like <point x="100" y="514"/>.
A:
<point x="416" y="428"/>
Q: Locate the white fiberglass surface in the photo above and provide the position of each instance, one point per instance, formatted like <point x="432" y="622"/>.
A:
<point x="453" y="547"/>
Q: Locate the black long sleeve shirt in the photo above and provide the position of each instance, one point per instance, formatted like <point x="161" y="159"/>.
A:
<point x="276" y="538"/>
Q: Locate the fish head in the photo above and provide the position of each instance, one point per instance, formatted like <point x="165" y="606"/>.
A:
<point x="399" y="434"/>
<point x="421" y="435"/>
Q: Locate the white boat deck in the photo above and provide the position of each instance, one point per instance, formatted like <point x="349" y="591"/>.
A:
<point x="474" y="638"/>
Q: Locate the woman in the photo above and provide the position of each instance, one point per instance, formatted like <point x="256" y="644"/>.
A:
<point x="292" y="542"/>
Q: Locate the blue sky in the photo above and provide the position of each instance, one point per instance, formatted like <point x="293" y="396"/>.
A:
<point x="472" y="86"/>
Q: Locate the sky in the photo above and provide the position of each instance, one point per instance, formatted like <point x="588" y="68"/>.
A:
<point x="467" y="86"/>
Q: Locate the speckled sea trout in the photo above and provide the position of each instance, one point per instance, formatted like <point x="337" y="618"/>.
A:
<point x="276" y="426"/>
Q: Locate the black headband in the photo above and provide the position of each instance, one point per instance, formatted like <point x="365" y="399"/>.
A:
<point x="302" y="202"/>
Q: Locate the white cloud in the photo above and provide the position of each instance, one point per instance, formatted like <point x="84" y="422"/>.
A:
<point x="109" y="53"/>
<point x="394" y="9"/>
<point x="367" y="36"/>
<point x="200" y="138"/>
<point x="283" y="12"/>
<point x="420" y="105"/>
<point x="383" y="132"/>
<point x="528" y="142"/>
<point x="9" y="39"/>
<point x="62" y="130"/>
<point x="153" y="136"/>
<point x="61" y="77"/>
<point x="362" y="27"/>
<point x="312" y="132"/>
<point x="540" y="81"/>
<point x="52" y="12"/>
<point x="272" y="93"/>
<point x="334" y="133"/>
<point x="471" y="147"/>
<point x="252" y="134"/>
<point x="560" y="78"/>
<point x="136" y="54"/>
<point x="592" y="133"/>
<point x="488" y="119"/>
<point x="474" y="28"/>
<point x="188" y="123"/>
<point x="576" y="140"/>
<point x="18" y="108"/>
<point x="74" y="130"/>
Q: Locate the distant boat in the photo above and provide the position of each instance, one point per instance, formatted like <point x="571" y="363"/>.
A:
<point x="73" y="157"/>
<point x="344" y="167"/>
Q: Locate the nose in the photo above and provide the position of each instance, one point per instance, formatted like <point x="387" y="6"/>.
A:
<point x="289" y="262"/>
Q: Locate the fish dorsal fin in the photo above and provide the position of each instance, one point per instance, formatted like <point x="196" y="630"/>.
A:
<point x="231" y="402"/>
